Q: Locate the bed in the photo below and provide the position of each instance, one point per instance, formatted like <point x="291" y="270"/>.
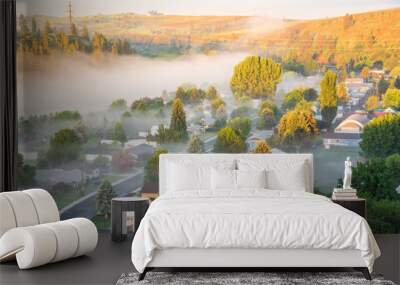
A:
<point x="247" y="210"/>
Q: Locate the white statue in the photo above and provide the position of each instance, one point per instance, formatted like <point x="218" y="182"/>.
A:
<point x="347" y="174"/>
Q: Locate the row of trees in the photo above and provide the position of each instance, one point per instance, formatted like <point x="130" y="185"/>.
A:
<point x="30" y="38"/>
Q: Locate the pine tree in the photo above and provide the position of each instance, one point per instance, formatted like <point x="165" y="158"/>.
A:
<point x="328" y="97"/>
<point x="103" y="199"/>
<point x="178" y="120"/>
<point x="196" y="145"/>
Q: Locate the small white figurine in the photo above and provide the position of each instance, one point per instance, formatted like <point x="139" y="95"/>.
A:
<point x="347" y="174"/>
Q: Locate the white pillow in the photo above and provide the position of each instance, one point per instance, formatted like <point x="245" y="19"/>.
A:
<point x="223" y="179"/>
<point x="251" y="179"/>
<point x="282" y="174"/>
<point x="183" y="178"/>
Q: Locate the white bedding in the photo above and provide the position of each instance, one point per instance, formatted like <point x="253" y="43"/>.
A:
<point x="252" y="218"/>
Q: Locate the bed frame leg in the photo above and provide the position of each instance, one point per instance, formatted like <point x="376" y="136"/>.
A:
<point x="143" y="274"/>
<point x="364" y="271"/>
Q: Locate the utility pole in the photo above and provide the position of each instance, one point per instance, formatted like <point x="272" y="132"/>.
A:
<point x="70" y="14"/>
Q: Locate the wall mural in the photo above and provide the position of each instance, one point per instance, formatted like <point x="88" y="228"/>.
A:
<point x="102" y="92"/>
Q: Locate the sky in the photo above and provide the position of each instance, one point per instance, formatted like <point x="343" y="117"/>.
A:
<point x="293" y="9"/>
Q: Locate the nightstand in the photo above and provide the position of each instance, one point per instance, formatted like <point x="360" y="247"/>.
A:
<point x="358" y="205"/>
<point x="119" y="207"/>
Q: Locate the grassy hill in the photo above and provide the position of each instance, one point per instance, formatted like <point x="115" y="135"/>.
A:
<point x="364" y="37"/>
<point x="375" y="35"/>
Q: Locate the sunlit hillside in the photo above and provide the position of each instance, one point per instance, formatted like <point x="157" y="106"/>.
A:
<point x="165" y="28"/>
<point x="361" y="37"/>
<point x="374" y="34"/>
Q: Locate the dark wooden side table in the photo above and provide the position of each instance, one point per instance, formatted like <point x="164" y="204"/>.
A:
<point x="120" y="205"/>
<point x="358" y="205"/>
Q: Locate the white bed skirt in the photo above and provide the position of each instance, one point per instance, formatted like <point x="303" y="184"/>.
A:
<point x="189" y="257"/>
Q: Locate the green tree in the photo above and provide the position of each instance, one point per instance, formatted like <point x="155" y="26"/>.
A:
<point x="310" y="94"/>
<point x="151" y="168"/>
<point x="381" y="136"/>
<point x="105" y="193"/>
<point x="118" y="133"/>
<point x="297" y="127"/>
<point x="119" y="105"/>
<point x="212" y="93"/>
<point x="268" y="115"/>
<point x="328" y="97"/>
<point x="256" y="77"/>
<point x="64" y="147"/>
<point x="291" y="99"/>
<point x="195" y="145"/>
<point x="178" y="120"/>
<point x="262" y="147"/>
<point x="229" y="142"/>
<point x="242" y="126"/>
<point x="396" y="82"/>
<point x="25" y="173"/>
<point x="392" y="98"/>
<point x="383" y="86"/>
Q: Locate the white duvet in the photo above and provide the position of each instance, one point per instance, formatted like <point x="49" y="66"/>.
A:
<point x="250" y="219"/>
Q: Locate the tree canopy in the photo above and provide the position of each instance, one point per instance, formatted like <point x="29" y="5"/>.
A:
<point x="328" y="97"/>
<point x="297" y="127"/>
<point x="195" y="145"/>
<point x="256" y="77"/>
<point x="291" y="99"/>
<point x="152" y="166"/>
<point x="64" y="147"/>
<point x="392" y="98"/>
<point x="381" y="136"/>
<point x="241" y="125"/>
<point x="372" y="103"/>
<point x="105" y="193"/>
<point x="178" y="120"/>
<point x="228" y="141"/>
<point x="118" y="133"/>
<point x="262" y="147"/>
<point x="342" y="95"/>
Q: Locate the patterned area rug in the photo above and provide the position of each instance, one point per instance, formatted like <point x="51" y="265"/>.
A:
<point x="243" y="278"/>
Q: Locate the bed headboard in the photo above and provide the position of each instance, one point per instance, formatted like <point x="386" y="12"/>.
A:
<point x="209" y="158"/>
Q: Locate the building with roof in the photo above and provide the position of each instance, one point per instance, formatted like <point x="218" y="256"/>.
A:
<point x="348" y="132"/>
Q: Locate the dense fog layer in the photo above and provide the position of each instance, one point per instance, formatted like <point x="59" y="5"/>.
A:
<point x="87" y="83"/>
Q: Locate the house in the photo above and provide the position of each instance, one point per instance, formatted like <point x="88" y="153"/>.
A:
<point x="91" y="157"/>
<point x="143" y="151"/>
<point x="377" y="74"/>
<point x="136" y="142"/>
<point x="110" y="142"/>
<point x="153" y="132"/>
<point x="347" y="133"/>
<point x="380" y="112"/>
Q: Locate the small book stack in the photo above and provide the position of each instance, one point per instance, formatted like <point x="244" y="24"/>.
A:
<point x="344" y="194"/>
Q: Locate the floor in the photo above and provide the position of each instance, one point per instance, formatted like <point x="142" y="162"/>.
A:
<point x="110" y="260"/>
